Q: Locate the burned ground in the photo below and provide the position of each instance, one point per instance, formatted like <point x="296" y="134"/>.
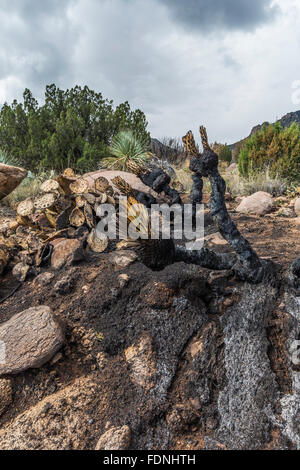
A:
<point x="160" y="352"/>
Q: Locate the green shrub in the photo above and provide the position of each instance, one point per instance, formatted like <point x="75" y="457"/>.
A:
<point x="225" y="154"/>
<point x="274" y="148"/>
<point x="72" y="128"/>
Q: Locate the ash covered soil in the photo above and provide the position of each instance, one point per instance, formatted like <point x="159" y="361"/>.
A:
<point x="184" y="358"/>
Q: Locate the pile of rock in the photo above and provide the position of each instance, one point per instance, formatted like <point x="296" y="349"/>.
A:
<point x="57" y="222"/>
<point x="262" y="203"/>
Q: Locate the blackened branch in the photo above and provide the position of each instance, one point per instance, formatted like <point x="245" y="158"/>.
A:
<point x="248" y="267"/>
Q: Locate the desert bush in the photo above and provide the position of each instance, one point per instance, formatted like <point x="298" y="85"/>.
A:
<point x="223" y="151"/>
<point x="274" y="148"/>
<point x="183" y="181"/>
<point x="172" y="150"/>
<point x="73" y="128"/>
<point x="259" y="181"/>
<point x="225" y="154"/>
<point x="126" y="146"/>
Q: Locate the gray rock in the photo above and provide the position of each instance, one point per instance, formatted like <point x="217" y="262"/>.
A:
<point x="123" y="258"/>
<point x="28" y="340"/>
<point x="246" y="403"/>
<point x="44" y="279"/>
<point x="115" y="439"/>
<point x="290" y="403"/>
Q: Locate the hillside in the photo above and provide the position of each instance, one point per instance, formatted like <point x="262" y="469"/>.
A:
<point x="285" y="121"/>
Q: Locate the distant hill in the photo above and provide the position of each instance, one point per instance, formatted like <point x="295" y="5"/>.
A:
<point x="285" y="121"/>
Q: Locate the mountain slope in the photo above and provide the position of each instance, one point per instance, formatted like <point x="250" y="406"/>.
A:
<point x="285" y="121"/>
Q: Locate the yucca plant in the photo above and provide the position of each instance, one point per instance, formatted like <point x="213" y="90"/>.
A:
<point x="6" y="160"/>
<point x="126" y="147"/>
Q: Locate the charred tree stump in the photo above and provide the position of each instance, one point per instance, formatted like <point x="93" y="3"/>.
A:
<point x="248" y="267"/>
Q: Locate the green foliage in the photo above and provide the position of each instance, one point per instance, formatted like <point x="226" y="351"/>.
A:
<point x="223" y="151"/>
<point x="72" y="129"/>
<point x="225" y="154"/>
<point x="126" y="146"/>
<point x="275" y="148"/>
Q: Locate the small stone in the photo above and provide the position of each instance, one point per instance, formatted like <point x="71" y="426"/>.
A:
<point x="29" y="340"/>
<point x="123" y="280"/>
<point x="286" y="212"/>
<point x="66" y="253"/>
<point x="5" y="395"/>
<point x="115" y="439"/>
<point x="64" y="285"/>
<point x="20" y="271"/>
<point x="123" y="258"/>
<point x="44" y="279"/>
<point x="101" y="360"/>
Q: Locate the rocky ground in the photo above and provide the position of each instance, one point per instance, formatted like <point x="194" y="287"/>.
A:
<point x="127" y="358"/>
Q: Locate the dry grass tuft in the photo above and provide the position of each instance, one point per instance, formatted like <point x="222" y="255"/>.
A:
<point x="30" y="187"/>
<point x="261" y="181"/>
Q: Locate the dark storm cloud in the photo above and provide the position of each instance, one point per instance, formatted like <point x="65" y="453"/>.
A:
<point x="36" y="38"/>
<point x="224" y="14"/>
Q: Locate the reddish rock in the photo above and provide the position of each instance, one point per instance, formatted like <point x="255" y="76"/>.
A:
<point x="260" y="203"/>
<point x="10" y="178"/>
<point x="29" y="340"/>
<point x="66" y="252"/>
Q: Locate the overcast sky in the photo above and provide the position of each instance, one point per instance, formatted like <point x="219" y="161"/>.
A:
<point x="228" y="64"/>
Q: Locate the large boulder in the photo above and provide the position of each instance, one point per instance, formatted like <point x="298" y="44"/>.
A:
<point x="29" y="340"/>
<point x="10" y="178"/>
<point x="260" y="203"/>
<point x="130" y="178"/>
<point x="297" y="206"/>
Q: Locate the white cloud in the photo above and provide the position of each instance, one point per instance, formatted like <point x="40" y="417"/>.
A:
<point x="135" y="50"/>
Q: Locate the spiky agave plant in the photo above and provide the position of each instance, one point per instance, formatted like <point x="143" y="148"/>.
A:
<point x="8" y="160"/>
<point x="126" y="149"/>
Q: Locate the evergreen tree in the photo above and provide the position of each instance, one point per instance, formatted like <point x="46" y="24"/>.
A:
<point x="275" y="148"/>
<point x="73" y="128"/>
